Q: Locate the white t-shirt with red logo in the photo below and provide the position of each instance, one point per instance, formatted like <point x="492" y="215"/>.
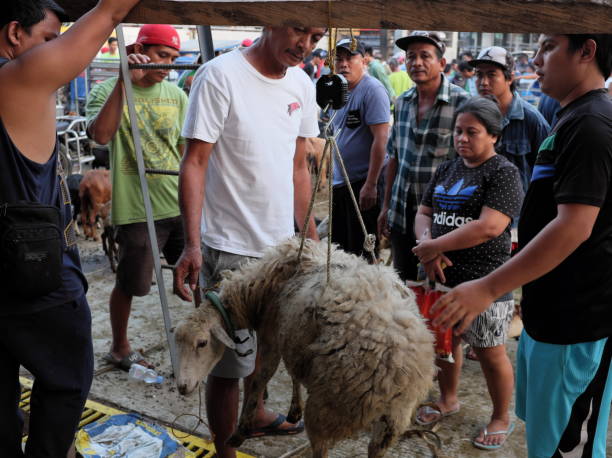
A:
<point x="254" y="122"/>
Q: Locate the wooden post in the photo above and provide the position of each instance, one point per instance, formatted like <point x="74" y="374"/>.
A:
<point x="519" y="16"/>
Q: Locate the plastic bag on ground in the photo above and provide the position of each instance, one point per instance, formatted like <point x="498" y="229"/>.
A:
<point x="127" y="436"/>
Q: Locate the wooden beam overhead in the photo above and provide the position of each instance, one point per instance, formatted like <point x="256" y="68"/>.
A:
<point x="560" y="16"/>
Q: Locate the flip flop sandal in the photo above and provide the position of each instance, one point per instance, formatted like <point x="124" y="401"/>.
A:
<point x="482" y="446"/>
<point x="432" y="409"/>
<point x="274" y="429"/>
<point x="126" y="362"/>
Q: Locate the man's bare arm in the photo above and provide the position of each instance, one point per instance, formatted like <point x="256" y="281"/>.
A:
<point x="191" y="200"/>
<point x="558" y="239"/>
<point x="390" y="174"/>
<point x="53" y="64"/>
<point x="302" y="189"/>
<point x="104" y="126"/>
<point x="369" y="192"/>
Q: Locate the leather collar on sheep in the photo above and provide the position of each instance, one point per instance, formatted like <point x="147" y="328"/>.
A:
<point x="214" y="299"/>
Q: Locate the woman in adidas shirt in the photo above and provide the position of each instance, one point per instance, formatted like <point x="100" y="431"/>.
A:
<point x="463" y="228"/>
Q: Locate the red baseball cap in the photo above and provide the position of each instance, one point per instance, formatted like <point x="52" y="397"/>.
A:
<point x="246" y="42"/>
<point x="159" y="34"/>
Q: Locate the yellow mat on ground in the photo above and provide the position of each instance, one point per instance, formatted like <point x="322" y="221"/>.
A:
<point x="94" y="411"/>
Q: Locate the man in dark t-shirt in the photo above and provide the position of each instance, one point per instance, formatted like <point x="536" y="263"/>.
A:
<point x="48" y="334"/>
<point x="564" y="382"/>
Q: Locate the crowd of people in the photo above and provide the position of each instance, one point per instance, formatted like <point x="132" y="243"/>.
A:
<point x="444" y="162"/>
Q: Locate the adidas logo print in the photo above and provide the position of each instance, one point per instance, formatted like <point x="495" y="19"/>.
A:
<point x="455" y="197"/>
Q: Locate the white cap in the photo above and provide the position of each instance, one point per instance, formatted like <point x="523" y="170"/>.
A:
<point x="494" y="55"/>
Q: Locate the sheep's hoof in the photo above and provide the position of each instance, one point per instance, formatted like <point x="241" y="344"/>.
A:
<point x="236" y="440"/>
<point x="294" y="415"/>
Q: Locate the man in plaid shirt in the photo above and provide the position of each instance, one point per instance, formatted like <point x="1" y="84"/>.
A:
<point x="420" y="141"/>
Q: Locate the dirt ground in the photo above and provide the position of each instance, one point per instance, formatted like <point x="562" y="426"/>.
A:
<point x="163" y="403"/>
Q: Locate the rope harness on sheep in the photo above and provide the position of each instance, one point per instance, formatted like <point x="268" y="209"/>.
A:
<point x="231" y="329"/>
<point x="430" y="437"/>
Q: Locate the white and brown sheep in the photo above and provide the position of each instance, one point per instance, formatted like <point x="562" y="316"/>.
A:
<point x="358" y="344"/>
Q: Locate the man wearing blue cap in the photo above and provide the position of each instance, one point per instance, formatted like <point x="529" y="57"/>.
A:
<point x="363" y="126"/>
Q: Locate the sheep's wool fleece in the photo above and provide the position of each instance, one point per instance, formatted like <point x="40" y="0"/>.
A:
<point x="358" y="344"/>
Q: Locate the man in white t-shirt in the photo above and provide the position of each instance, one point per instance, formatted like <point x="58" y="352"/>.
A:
<point x="250" y="112"/>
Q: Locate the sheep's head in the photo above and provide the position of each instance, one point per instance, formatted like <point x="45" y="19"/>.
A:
<point x="200" y="341"/>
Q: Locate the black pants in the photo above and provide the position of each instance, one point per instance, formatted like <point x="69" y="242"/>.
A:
<point x="404" y="261"/>
<point x="55" y="345"/>
<point x="346" y="230"/>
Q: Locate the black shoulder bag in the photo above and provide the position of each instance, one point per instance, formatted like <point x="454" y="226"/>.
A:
<point x="30" y="249"/>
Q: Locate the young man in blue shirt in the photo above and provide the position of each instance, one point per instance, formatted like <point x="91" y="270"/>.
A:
<point x="524" y="128"/>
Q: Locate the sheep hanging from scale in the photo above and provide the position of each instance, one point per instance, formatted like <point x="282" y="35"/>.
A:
<point x="358" y="344"/>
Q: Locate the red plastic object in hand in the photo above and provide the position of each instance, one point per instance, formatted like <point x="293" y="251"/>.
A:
<point x="426" y="298"/>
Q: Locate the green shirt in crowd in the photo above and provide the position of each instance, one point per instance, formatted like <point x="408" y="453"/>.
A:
<point x="109" y="56"/>
<point x="376" y="69"/>
<point x="400" y="82"/>
<point x="161" y="111"/>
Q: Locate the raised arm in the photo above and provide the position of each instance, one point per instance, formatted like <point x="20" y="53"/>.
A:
<point x="103" y="127"/>
<point x="62" y="59"/>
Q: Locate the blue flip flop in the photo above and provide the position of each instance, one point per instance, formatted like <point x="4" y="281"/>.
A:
<point x="482" y="446"/>
<point x="274" y="429"/>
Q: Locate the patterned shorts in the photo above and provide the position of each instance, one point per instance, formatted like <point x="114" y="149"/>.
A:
<point x="490" y="328"/>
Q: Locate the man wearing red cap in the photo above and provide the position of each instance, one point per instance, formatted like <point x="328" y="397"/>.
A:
<point x="161" y="108"/>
